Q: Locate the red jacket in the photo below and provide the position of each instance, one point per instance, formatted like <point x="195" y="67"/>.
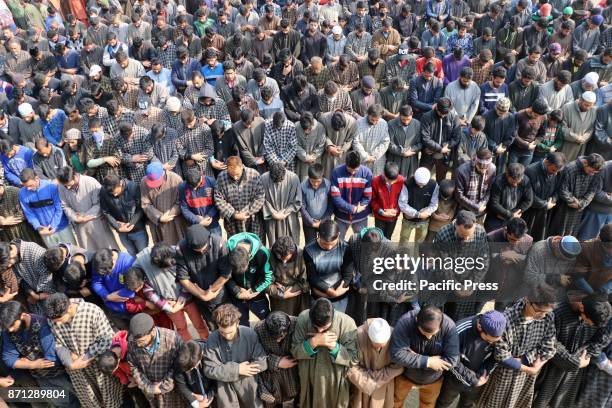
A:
<point x="382" y="198"/>
<point x="420" y="63"/>
<point x="123" y="372"/>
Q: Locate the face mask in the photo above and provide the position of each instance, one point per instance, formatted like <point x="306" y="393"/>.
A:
<point x="98" y="137"/>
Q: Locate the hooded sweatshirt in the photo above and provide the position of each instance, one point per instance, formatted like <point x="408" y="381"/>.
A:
<point x="258" y="275"/>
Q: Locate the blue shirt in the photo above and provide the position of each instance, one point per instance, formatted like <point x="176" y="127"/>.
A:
<point x="104" y="285"/>
<point x="164" y="78"/>
<point x="71" y="59"/>
<point x="52" y="130"/>
<point x="14" y="166"/>
<point x="43" y="207"/>
<point x="212" y="73"/>
<point x="10" y="355"/>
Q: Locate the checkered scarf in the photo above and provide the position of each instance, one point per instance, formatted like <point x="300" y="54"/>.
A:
<point x="476" y="185"/>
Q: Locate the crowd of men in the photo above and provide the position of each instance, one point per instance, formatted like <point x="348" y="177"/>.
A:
<point x="178" y="179"/>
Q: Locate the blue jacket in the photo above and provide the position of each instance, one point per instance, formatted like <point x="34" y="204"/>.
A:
<point x="348" y="190"/>
<point x="103" y="285"/>
<point x="182" y="73"/>
<point x="422" y="99"/>
<point x="199" y="201"/>
<point x="212" y="74"/>
<point x="13" y="166"/>
<point x="43" y="207"/>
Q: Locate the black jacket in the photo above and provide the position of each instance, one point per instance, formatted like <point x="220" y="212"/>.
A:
<point x="506" y="199"/>
<point x="522" y="97"/>
<point x="499" y="130"/>
<point x="202" y="269"/>
<point x="476" y="355"/>
<point x="312" y="46"/>
<point x="437" y="131"/>
<point x="125" y="208"/>
<point x="410" y="349"/>
<point x="543" y="185"/>
<point x="296" y="105"/>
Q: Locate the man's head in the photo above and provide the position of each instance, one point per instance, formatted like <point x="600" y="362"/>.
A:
<point x="515" y="229"/>
<point x="539" y="302"/>
<point x="429" y="321"/>
<point x="197" y="238"/>
<point x="29" y="179"/>
<point x="163" y="255"/>
<point x="374" y="114"/>
<point x="12" y="316"/>
<point x="554" y="162"/>
<point x="534" y="54"/>
<point x="443" y="106"/>
<point x="465" y="225"/>
<point x="227" y="318"/>
<point x="133" y="279"/>
<point x="277" y="325"/>
<point x="491" y="325"/>
<point x="315" y="175"/>
<point x="43" y="147"/>
<point x="379" y="333"/>
<point x="391" y="172"/>
<point x="104" y="261"/>
<point x="353" y="162"/>
<point x="284" y="249"/>
<point x="514" y="174"/>
<point x="422" y="176"/>
<point x="57" y="309"/>
<point x="328" y="235"/>
<point x="108" y="362"/>
<point x="277" y="172"/>
<point x="189" y="356"/>
<point x="67" y="177"/>
<point x="142" y="330"/>
<point x="593" y="164"/>
<point x="587" y="101"/>
<point x="527" y="75"/>
<point x="234" y="167"/>
<point x="321" y="314"/>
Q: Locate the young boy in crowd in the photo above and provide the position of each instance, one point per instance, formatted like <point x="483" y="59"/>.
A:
<point x="447" y="207"/>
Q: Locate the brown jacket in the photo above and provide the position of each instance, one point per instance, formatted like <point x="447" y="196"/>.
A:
<point x="379" y="41"/>
<point x="590" y="264"/>
<point x="372" y="380"/>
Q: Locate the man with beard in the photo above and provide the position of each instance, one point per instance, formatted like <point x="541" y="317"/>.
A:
<point x="358" y="43"/>
<point x="239" y="197"/>
<point x="533" y="61"/>
<point x="510" y="38"/>
<point x="325" y="345"/>
<point x="401" y="65"/>
<point x="120" y="204"/>
<point x="30" y="126"/>
<point x="314" y="44"/>
<point x="311" y="140"/>
<point x="511" y="195"/>
<point x="536" y="35"/>
<point x="278" y="384"/>
<point x="557" y="91"/>
<point x="523" y="92"/>
<point x="493" y="90"/>
<point x="364" y="97"/>
<point x="405" y="141"/>
<point x="586" y="36"/>
<point x="580" y="336"/>
<point x="441" y="133"/>
<point x="340" y="128"/>
<point x="453" y="63"/>
<point x="249" y="132"/>
<point x="80" y="195"/>
<point x="373" y="66"/>
<point x="48" y="159"/>
<point x="544" y="180"/>
<point x="283" y="199"/>
<point x="230" y="80"/>
<point x="152" y="352"/>
<point x="299" y="97"/>
<point x="466" y="95"/>
<point x="529" y="124"/>
<point x="474" y="182"/>
<point x="579" y="116"/>
<point x="29" y="345"/>
<point x="234" y="358"/>
<point x="425" y="90"/>
<point x="83" y="329"/>
<point x="286" y="37"/>
<point x="579" y="182"/>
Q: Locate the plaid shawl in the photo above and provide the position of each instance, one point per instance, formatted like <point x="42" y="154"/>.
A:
<point x="280" y="144"/>
<point x="216" y="110"/>
<point x="139" y="143"/>
<point x="246" y="194"/>
<point x="477" y="185"/>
